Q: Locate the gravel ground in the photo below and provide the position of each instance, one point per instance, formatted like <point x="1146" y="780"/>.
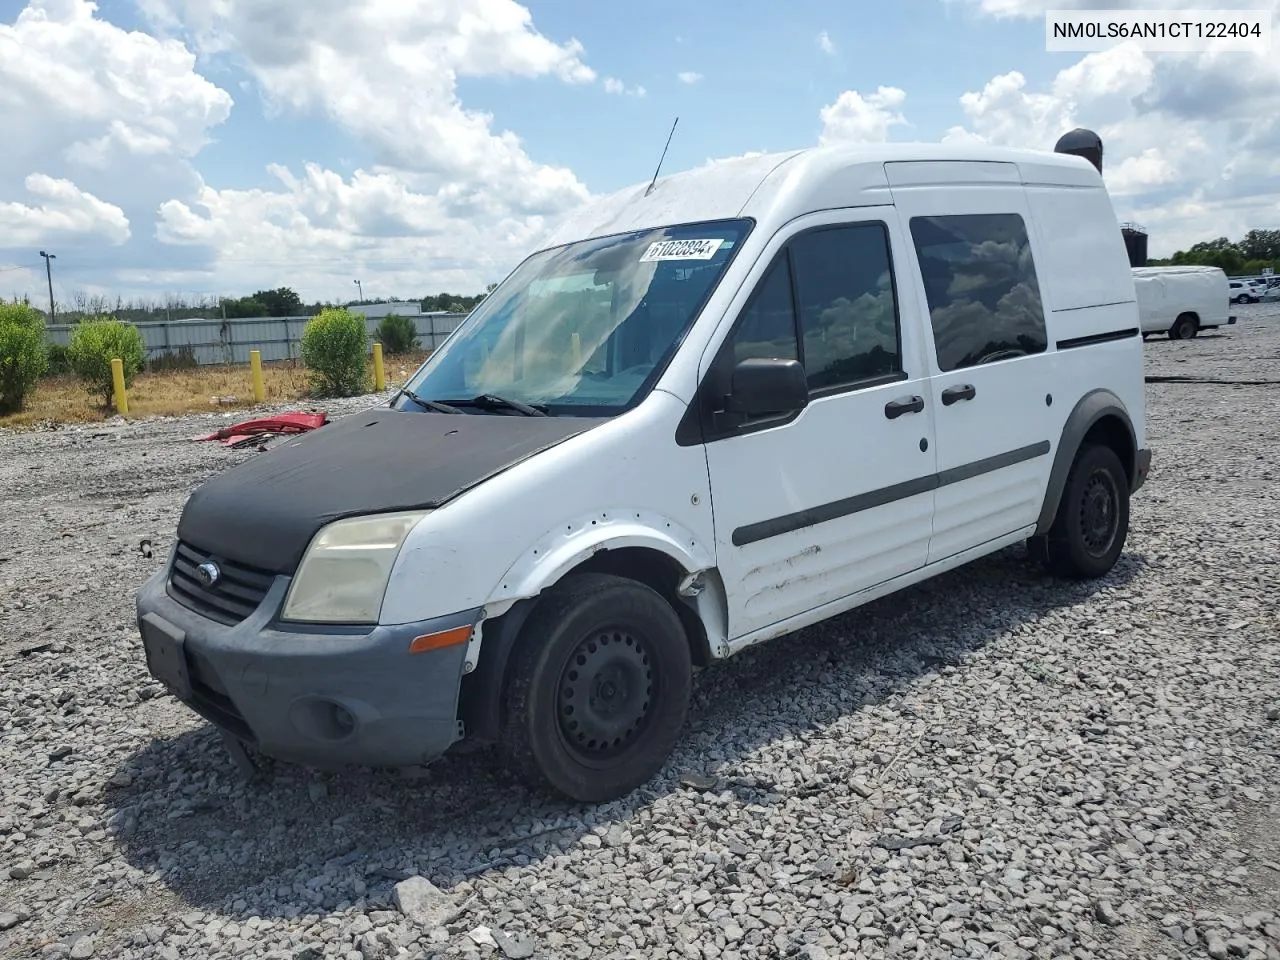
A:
<point x="991" y="764"/>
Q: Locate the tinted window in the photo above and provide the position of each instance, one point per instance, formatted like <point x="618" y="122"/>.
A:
<point x="844" y="287"/>
<point x="768" y="325"/>
<point x="842" y="281"/>
<point x="980" y="283"/>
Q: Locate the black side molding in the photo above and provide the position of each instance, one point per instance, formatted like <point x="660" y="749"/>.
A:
<point x="1095" y="338"/>
<point x="754" y="532"/>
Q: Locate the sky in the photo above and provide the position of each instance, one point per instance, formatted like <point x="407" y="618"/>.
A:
<point x="187" y="148"/>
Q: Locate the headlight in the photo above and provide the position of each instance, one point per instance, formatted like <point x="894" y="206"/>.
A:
<point x="344" y="573"/>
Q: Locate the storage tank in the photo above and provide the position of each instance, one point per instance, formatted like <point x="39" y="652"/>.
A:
<point x="1135" y="242"/>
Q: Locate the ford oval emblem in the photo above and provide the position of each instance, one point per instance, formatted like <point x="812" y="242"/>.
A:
<point x="208" y="573"/>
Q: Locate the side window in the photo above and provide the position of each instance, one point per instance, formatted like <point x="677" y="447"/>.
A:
<point x="767" y="328"/>
<point x="848" y="317"/>
<point x="980" y="284"/>
<point x="841" y="280"/>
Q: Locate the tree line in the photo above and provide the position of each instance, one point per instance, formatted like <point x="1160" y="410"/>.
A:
<point x="280" y="302"/>
<point x="1249" y="256"/>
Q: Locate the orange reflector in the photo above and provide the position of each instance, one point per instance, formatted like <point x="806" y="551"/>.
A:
<point x="435" y="641"/>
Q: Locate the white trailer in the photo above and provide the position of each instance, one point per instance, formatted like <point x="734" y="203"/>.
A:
<point x="1181" y="301"/>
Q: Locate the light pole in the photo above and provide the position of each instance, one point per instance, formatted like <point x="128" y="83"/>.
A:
<point x="359" y="289"/>
<point x="48" y="271"/>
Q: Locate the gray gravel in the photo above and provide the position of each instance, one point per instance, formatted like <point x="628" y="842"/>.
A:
<point x="992" y="764"/>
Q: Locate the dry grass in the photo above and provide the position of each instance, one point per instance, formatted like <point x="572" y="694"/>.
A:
<point x="172" y="392"/>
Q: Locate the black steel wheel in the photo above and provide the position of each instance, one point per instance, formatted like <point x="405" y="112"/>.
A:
<point x="1099" y="508"/>
<point x="606" y="692"/>
<point x="598" y="688"/>
<point x="1092" y="522"/>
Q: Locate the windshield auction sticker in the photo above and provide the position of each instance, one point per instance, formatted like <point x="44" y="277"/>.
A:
<point x="681" y="250"/>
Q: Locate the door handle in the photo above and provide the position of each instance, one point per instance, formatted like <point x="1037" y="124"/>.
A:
<point x="955" y="394"/>
<point x="896" y="408"/>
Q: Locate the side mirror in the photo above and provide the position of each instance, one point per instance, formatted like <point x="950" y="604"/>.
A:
<point x="761" y="387"/>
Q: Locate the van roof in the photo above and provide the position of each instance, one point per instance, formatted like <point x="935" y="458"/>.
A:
<point x="780" y="186"/>
<point x="1174" y="268"/>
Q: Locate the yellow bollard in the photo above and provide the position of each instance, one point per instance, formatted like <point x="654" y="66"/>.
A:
<point x="117" y="384"/>
<point x="575" y="349"/>
<point x="379" y="373"/>
<point x="255" y="364"/>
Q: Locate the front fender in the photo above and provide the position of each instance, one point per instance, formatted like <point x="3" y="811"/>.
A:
<point x="560" y="550"/>
<point x="548" y="560"/>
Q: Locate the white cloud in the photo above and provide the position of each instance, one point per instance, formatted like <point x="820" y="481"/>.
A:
<point x="1190" y="139"/>
<point x="66" y="75"/>
<point x="67" y="212"/>
<point x="616" y="86"/>
<point x="449" y="199"/>
<point x="320" y="225"/>
<point x="825" y="44"/>
<point x="854" y="118"/>
<point x="386" y="72"/>
<point x="689" y="76"/>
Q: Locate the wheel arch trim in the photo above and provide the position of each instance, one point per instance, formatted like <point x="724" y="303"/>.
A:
<point x="555" y="555"/>
<point x="1093" y="407"/>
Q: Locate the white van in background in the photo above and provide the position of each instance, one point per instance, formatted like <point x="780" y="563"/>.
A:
<point x="1181" y="301"/>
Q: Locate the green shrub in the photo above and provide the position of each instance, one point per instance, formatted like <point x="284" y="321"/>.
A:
<point x="22" y="361"/>
<point x="58" y="365"/>
<point x="398" y="333"/>
<point x="23" y="314"/>
<point x="95" y="343"/>
<point x="335" y="350"/>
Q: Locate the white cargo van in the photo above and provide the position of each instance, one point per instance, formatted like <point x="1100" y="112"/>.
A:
<point x="1182" y="300"/>
<point x="713" y="409"/>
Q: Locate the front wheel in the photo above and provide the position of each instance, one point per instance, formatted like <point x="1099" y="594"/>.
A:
<point x="1092" y="523"/>
<point x="599" y="688"/>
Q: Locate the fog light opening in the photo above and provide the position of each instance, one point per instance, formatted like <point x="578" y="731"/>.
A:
<point x="326" y="720"/>
<point x="343" y="723"/>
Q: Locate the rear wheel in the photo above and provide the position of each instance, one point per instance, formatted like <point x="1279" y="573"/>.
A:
<point x="1092" y="523"/>
<point x="599" y="688"/>
<point x="1185" y="327"/>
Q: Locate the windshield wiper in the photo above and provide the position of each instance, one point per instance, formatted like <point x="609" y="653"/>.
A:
<point x="493" y="401"/>
<point x="435" y="405"/>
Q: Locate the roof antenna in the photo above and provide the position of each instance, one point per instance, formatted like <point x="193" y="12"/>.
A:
<point x="654" y="181"/>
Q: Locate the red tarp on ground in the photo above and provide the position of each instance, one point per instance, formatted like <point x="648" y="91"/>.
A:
<point x="250" y="431"/>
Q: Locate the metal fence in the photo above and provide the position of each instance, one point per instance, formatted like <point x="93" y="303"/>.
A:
<point x="229" y="341"/>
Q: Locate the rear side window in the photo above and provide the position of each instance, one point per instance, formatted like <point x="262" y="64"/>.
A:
<point x="981" y="287"/>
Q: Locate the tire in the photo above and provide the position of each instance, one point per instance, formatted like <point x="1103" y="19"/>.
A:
<point x="591" y="638"/>
<point x="1185" y="327"/>
<point x="1091" y="526"/>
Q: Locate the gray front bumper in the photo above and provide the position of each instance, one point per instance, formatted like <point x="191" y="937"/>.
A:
<point x="318" y="697"/>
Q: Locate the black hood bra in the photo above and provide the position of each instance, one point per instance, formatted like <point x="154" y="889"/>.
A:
<point x="265" y="511"/>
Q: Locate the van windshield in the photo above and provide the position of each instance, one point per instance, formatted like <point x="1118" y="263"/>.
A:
<point x="583" y="329"/>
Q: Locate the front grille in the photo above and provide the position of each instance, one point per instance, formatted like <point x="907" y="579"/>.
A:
<point x="237" y="594"/>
